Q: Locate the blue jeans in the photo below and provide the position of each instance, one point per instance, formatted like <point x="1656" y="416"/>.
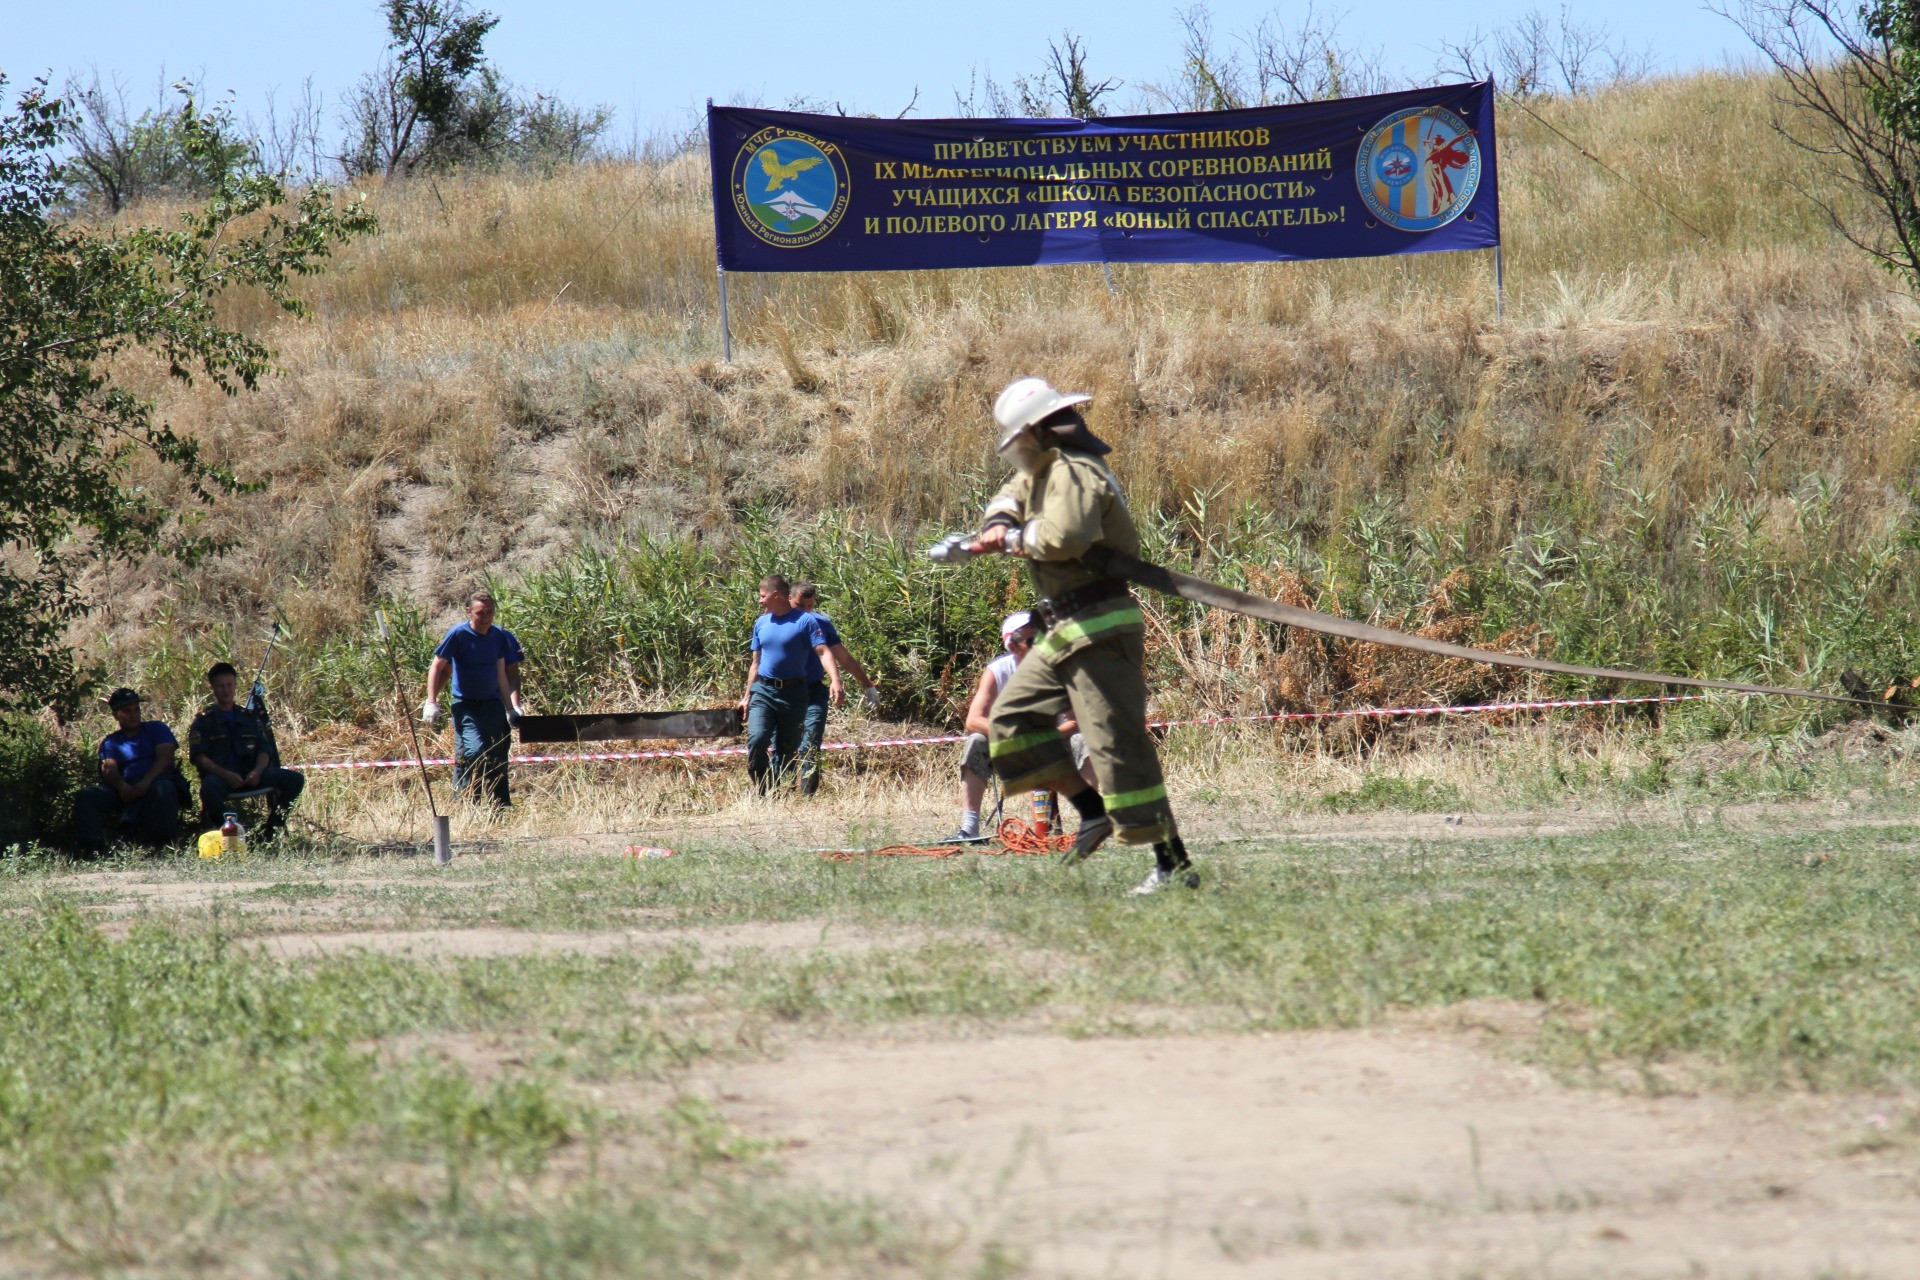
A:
<point x="812" y="733"/>
<point x="153" y="819"/>
<point x="481" y="736"/>
<point x="776" y="719"/>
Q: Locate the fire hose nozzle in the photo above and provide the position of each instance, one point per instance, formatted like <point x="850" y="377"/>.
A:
<point x="952" y="550"/>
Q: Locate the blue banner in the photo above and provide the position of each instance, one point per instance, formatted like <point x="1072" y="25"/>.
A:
<point x="1357" y="177"/>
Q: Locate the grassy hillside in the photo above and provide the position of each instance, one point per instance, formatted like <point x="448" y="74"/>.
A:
<point x="1702" y="453"/>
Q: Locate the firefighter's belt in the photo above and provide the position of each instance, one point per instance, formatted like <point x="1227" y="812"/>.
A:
<point x="1057" y="609"/>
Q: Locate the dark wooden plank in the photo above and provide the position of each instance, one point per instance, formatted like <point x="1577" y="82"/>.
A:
<point x="715" y="722"/>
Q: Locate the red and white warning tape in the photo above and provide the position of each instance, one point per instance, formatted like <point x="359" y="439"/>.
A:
<point x="685" y="753"/>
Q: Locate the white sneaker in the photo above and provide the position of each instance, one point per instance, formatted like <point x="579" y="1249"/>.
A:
<point x="1157" y="880"/>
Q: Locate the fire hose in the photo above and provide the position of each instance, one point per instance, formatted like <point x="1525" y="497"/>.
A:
<point x="956" y="550"/>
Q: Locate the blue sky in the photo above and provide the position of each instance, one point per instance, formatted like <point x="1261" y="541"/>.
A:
<point x="657" y="63"/>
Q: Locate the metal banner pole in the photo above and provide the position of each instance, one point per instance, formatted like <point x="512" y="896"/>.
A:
<point x="1108" y="269"/>
<point x="726" y="329"/>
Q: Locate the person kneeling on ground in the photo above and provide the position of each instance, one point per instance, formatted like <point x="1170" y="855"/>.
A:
<point x="1017" y="633"/>
<point x="140" y="788"/>
<point x="232" y="749"/>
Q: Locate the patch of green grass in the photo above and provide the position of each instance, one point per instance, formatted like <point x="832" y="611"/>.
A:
<point x="1720" y="948"/>
<point x="1712" y="945"/>
<point x="1389" y="791"/>
<point x="171" y="1102"/>
<point x="178" y="1073"/>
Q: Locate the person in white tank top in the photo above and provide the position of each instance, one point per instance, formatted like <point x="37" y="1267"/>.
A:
<point x="1017" y="632"/>
<point x="1002" y="667"/>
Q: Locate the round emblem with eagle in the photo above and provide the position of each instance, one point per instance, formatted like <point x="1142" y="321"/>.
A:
<point x="790" y="189"/>
<point x="1418" y="169"/>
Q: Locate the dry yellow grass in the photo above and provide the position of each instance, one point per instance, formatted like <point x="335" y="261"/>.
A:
<point x="1226" y="785"/>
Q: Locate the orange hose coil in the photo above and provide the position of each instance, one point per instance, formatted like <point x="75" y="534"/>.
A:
<point x="1017" y="837"/>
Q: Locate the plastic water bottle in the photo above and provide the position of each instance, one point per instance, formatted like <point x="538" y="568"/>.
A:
<point x="233" y="836"/>
<point x="1042" y="812"/>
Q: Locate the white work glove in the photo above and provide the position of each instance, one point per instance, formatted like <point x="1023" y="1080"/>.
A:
<point x="429" y="711"/>
<point x="873" y="697"/>
<point x="515" y="712"/>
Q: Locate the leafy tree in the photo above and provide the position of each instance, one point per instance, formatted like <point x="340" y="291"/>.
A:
<point x="120" y="159"/>
<point x="75" y="299"/>
<point x="549" y="132"/>
<point x="421" y="104"/>
<point x="1852" y="88"/>
<point x="436" y="103"/>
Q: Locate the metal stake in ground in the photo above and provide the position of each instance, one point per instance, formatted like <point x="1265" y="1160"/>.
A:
<point x="442" y="838"/>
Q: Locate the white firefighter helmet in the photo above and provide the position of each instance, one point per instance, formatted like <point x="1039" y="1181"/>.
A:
<point x="1028" y="400"/>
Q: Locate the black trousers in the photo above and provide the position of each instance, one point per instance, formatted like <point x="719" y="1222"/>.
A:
<point x="152" y="819"/>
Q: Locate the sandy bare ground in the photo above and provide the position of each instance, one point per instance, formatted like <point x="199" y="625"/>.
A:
<point x="1376" y="1155"/>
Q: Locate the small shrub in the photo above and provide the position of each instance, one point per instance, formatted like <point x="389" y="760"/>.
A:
<point x="40" y="769"/>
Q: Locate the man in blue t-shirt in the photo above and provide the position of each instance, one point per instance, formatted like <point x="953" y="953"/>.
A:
<point x="776" y="698"/>
<point x="140" y="787"/>
<point x="806" y="598"/>
<point x="484" y="662"/>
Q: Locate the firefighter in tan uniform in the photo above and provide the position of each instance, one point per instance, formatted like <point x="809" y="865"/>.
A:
<point x="1061" y="504"/>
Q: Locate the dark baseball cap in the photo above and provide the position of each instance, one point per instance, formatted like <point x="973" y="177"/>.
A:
<point x="120" y="698"/>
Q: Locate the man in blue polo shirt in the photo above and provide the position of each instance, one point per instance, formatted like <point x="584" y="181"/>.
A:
<point x="806" y="597"/>
<point x="139" y="785"/>
<point x="776" y="698"/>
<point x="484" y="662"/>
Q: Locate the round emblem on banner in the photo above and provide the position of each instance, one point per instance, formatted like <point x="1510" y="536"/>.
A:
<point x="790" y="189"/>
<point x="1419" y="168"/>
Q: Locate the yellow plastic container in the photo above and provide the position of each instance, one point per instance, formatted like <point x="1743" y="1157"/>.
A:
<point x="211" y="843"/>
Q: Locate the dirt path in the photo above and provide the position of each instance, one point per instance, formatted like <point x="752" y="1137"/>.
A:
<point x="1371" y="1155"/>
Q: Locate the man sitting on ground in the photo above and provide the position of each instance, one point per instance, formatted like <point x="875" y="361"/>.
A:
<point x="1017" y="632"/>
<point x="140" y="789"/>
<point x="233" y="750"/>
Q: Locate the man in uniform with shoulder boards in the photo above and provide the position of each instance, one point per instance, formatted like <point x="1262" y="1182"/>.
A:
<point x="1060" y="508"/>
<point x="232" y="748"/>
